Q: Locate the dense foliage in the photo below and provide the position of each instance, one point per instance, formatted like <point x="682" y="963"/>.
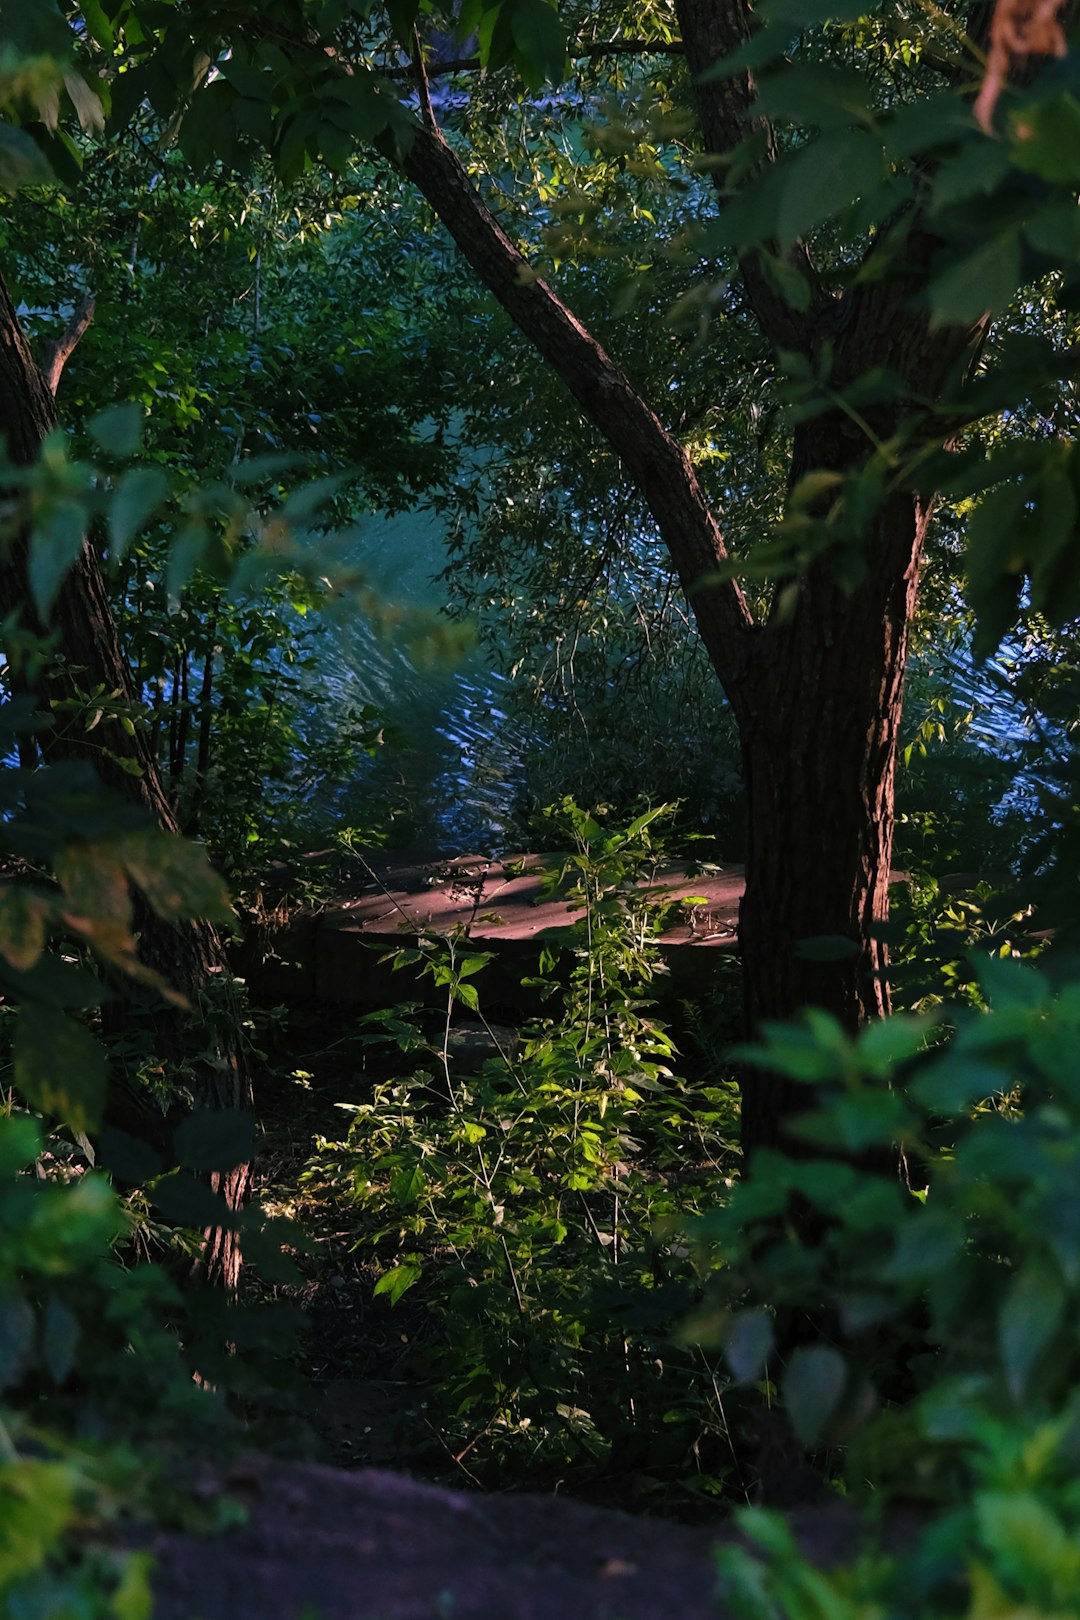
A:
<point x="850" y="291"/>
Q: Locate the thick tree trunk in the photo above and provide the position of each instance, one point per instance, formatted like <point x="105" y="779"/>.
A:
<point x="819" y="747"/>
<point x="191" y="957"/>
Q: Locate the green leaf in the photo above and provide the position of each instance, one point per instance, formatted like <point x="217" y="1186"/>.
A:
<point x="814" y="94"/>
<point x="16" y="1335"/>
<point x="790" y="283"/>
<point x="825" y="177"/>
<point x="22" y="162"/>
<point x="397" y="1280"/>
<point x="813" y="1388"/>
<point x="55" y="546"/>
<point x="215" y="1139"/>
<point x="884" y="1045"/>
<point x="1046" y="138"/>
<point x="118" y="430"/>
<point x="59" y="1066"/>
<point x="59" y="1338"/>
<point x="994" y="563"/>
<point x="135" y="499"/>
<point x="133" y="1597"/>
<point x="1008" y="983"/>
<point x="407" y="1185"/>
<point x="402" y="14"/>
<point x="20" y="1143"/>
<point x="954" y="1081"/>
<point x="827" y="948"/>
<point x="1030" y="1316"/>
<point x="748" y="1345"/>
<point x="974" y="171"/>
<point x="983" y="281"/>
<point x="92" y="877"/>
<point x="1028" y="1541"/>
<point x="185" y="555"/>
<point x="127" y="1157"/>
<point x="176" y="877"/>
<point x="97" y="23"/>
<point x="187" y="1202"/>
<point x="540" y="40"/>
<point x="24" y="918"/>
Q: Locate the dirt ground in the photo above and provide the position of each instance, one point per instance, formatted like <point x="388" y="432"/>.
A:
<point x="324" y="1543"/>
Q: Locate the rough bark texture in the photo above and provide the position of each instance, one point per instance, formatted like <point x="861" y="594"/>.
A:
<point x="191" y="957"/>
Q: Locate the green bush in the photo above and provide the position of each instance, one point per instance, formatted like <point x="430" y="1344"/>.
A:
<point x="927" y="1323"/>
<point x="528" y="1200"/>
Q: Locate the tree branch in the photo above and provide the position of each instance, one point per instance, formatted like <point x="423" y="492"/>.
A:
<point x="58" y="351"/>
<point x="712" y="29"/>
<point x="576" y="50"/>
<point x="658" y="464"/>
<point x="423" y="86"/>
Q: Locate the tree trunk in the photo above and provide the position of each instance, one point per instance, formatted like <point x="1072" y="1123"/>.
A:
<point x="819" y="747"/>
<point x="191" y="957"/>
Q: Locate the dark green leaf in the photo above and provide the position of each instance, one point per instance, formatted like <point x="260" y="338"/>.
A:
<point x="59" y="1338"/>
<point x="187" y="1202"/>
<point x="119" y="429"/>
<point x="59" y="1067"/>
<point x="127" y="1157"/>
<point x="176" y="877"/>
<point x="825" y="177"/>
<point x="24" y="918"/>
<point x="827" y="948"/>
<point x="540" y="39"/>
<point x="215" y="1139"/>
<point x="55" y="546"/>
<point x="983" y="281"/>
<point x="135" y="499"/>
<point x="22" y="162"/>
<point x="748" y="1345"/>
<point x="813" y="1388"/>
<point x="814" y="94"/>
<point x="1030" y="1316"/>
<point x="1046" y="138"/>
<point x="16" y="1335"/>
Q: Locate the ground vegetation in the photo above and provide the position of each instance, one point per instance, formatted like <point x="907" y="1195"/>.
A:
<point x="769" y="325"/>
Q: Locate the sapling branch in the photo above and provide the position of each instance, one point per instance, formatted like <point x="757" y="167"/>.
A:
<point x="58" y="351"/>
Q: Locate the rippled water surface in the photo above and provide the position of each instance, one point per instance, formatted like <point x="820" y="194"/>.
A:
<point x="450" y="770"/>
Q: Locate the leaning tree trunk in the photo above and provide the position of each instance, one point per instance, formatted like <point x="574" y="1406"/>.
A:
<point x="191" y="956"/>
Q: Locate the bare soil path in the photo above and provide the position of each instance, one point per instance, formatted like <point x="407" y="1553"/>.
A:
<point x="332" y="1544"/>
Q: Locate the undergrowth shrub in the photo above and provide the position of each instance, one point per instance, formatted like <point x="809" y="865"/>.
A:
<point x="87" y="1362"/>
<point x="532" y="1201"/>
<point x="944" y="1365"/>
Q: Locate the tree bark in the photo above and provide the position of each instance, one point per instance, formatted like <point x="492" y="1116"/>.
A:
<point x="819" y="751"/>
<point x="191" y="957"/>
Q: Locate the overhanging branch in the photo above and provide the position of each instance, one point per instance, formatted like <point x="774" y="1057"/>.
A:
<point x="658" y="464"/>
<point x="577" y="50"/>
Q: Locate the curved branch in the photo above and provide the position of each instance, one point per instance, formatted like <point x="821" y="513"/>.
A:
<point x="58" y="351"/>
<point x="656" y="462"/>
